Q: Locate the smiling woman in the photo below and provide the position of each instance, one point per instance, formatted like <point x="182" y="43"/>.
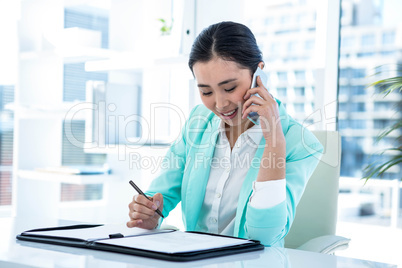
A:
<point x="218" y="167"/>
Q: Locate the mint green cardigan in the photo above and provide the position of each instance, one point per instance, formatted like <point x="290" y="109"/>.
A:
<point x="186" y="166"/>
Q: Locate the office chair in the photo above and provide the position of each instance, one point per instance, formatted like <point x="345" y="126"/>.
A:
<point x="314" y="225"/>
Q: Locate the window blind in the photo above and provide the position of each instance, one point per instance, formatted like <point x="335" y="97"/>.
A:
<point x="75" y="79"/>
<point x="73" y="155"/>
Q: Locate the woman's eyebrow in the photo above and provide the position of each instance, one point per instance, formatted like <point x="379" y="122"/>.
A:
<point x="227" y="81"/>
<point x="220" y="83"/>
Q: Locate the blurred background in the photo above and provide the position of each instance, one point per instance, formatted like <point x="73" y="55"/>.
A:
<point x="104" y="85"/>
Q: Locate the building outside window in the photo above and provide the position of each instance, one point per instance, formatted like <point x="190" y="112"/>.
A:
<point x="368" y="38"/>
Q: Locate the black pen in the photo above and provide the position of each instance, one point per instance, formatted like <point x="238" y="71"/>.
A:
<point x="142" y="193"/>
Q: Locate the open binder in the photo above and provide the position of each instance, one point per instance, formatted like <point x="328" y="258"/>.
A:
<point x="168" y="245"/>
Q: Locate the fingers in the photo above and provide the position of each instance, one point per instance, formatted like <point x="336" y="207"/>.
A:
<point x="251" y="100"/>
<point x="140" y="199"/>
<point x="252" y="108"/>
<point x="260" y="89"/>
<point x="157" y="199"/>
<point x="134" y="223"/>
<point x="142" y="211"/>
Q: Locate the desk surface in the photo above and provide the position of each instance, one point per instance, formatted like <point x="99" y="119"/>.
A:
<point x="15" y="253"/>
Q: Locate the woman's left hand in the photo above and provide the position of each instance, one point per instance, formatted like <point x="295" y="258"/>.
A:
<point x="267" y="109"/>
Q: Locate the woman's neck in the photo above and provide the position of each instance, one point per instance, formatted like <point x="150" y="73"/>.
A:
<point x="233" y="132"/>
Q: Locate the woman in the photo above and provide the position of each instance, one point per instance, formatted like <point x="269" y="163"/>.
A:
<point x="232" y="176"/>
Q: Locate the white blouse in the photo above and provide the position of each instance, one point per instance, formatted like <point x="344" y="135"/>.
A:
<point x="228" y="171"/>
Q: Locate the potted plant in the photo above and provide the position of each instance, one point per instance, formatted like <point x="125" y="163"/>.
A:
<point x="378" y="168"/>
<point x="165" y="28"/>
<point x="167" y="42"/>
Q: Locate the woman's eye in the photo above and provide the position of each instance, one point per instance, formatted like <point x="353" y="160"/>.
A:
<point x="231" y="89"/>
<point x="206" y="93"/>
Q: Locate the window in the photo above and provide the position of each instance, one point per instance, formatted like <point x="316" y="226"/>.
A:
<point x="358" y="73"/>
<point x="300" y="75"/>
<point x="275" y="48"/>
<point x="74" y="89"/>
<point x="358" y="107"/>
<point x="382" y="107"/>
<point x="365" y="54"/>
<point x="343" y="107"/>
<point x="345" y="73"/>
<point x="388" y="53"/>
<point x="347" y="42"/>
<point x="73" y="155"/>
<point x="382" y="123"/>
<point x="299" y="107"/>
<point x="309" y="44"/>
<point x="354" y="81"/>
<point x="269" y="21"/>
<point x="285" y="19"/>
<point x="343" y="124"/>
<point x="357" y="124"/>
<point x="299" y="91"/>
<point x="344" y="90"/>
<point x="368" y="40"/>
<point x="358" y="90"/>
<point x="388" y="38"/>
<point x="282" y="76"/>
<point x="75" y="79"/>
<point x="281" y="91"/>
<point x="292" y="47"/>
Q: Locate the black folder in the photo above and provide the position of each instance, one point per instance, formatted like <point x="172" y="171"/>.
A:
<point x="171" y="245"/>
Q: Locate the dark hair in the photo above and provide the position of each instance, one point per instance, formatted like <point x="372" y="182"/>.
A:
<point x="228" y="40"/>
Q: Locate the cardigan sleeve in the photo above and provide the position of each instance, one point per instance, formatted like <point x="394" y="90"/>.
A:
<point x="271" y="225"/>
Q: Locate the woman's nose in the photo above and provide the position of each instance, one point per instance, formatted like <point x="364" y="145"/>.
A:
<point x="221" y="103"/>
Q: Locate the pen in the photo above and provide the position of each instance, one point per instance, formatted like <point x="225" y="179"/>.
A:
<point x="142" y="193"/>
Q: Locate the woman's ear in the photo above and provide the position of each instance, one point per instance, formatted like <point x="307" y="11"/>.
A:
<point x="261" y="65"/>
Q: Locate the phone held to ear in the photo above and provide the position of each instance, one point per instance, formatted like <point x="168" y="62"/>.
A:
<point x="253" y="116"/>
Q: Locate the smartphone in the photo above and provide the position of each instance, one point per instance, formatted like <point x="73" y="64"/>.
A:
<point x="253" y="116"/>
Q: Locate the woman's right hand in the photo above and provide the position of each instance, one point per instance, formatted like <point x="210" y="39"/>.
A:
<point x="142" y="212"/>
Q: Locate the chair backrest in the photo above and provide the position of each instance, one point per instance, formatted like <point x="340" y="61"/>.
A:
<point x="316" y="214"/>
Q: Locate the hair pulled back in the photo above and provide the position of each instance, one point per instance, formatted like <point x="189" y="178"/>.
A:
<point x="229" y="41"/>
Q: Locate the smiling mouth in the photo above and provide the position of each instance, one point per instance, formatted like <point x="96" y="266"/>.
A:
<point x="229" y="113"/>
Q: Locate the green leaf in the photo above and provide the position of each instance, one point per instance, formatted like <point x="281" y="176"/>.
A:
<point x="386" y="132"/>
<point x="378" y="168"/>
<point x="389" y="85"/>
<point x="378" y="171"/>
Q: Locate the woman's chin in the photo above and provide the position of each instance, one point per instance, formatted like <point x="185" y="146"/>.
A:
<point x="238" y="121"/>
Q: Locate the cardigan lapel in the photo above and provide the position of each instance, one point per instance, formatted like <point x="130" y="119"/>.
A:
<point x="195" y="191"/>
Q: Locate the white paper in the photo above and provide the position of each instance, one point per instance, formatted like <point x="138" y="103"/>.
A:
<point x="100" y="232"/>
<point x="175" y="242"/>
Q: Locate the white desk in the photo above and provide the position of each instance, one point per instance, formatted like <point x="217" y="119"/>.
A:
<point x="15" y="253"/>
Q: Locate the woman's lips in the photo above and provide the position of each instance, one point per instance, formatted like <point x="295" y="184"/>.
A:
<point x="231" y="114"/>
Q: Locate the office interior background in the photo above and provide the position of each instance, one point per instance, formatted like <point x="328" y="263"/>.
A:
<point x="67" y="67"/>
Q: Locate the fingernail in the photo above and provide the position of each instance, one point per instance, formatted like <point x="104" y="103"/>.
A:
<point x="158" y="203"/>
<point x="154" y="207"/>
